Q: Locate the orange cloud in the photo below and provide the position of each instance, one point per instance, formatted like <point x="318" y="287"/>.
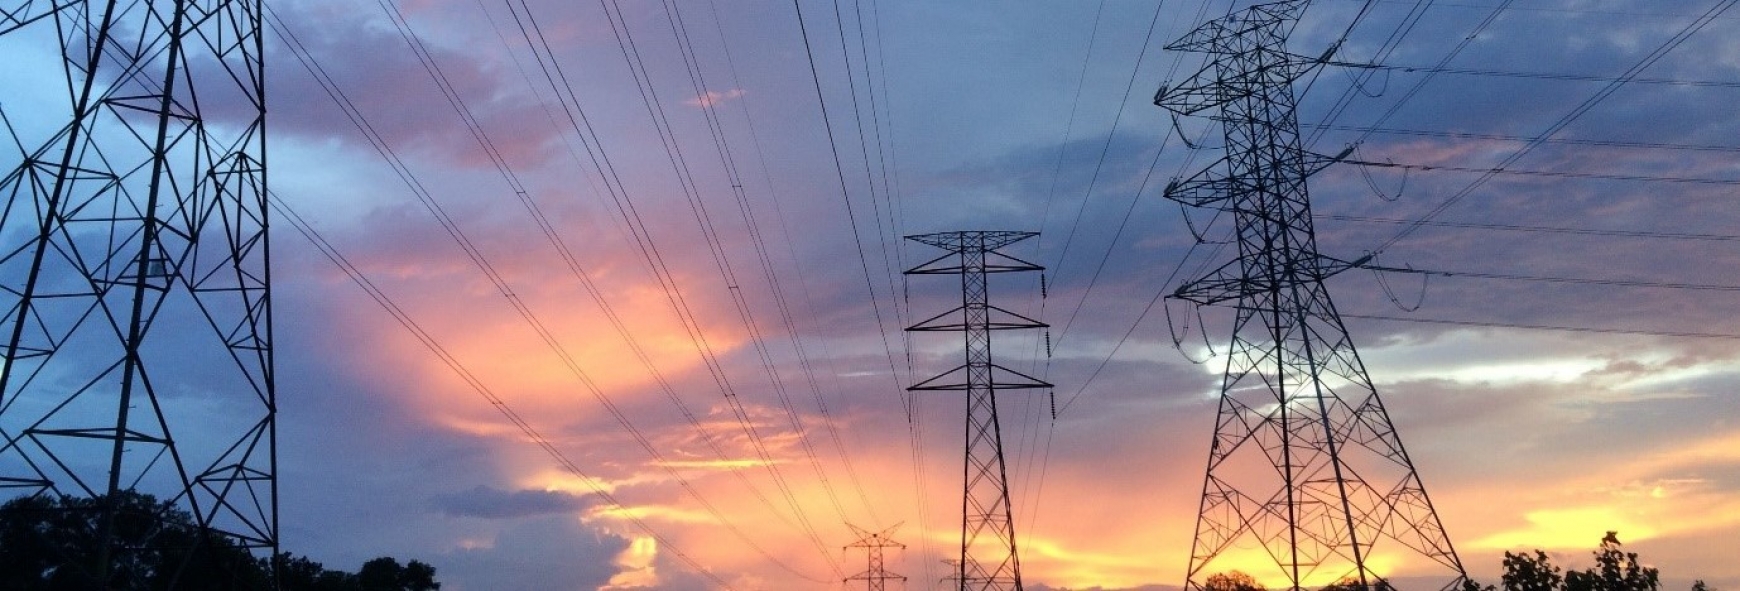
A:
<point x="1645" y="498"/>
<point x="636" y="563"/>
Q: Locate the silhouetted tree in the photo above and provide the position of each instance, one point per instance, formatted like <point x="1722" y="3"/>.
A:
<point x="301" y="574"/>
<point x="385" y="574"/>
<point x="1232" y="581"/>
<point x="1615" y="570"/>
<point x="1531" y="573"/>
<point x="55" y="544"/>
<point x="1472" y="585"/>
<point x="1353" y="584"/>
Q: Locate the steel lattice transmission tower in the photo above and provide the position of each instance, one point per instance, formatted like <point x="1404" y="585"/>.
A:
<point x="988" y="555"/>
<point x="135" y="308"/>
<point x="873" y="543"/>
<point x="1305" y="473"/>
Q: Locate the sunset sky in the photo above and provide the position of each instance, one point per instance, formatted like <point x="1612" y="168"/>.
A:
<point x="724" y="198"/>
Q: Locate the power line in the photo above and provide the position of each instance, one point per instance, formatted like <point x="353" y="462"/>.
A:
<point x="655" y="260"/>
<point x="1417" y="14"/>
<point x="908" y="402"/>
<point x="722" y="147"/>
<point x="1564" y="280"/>
<point x="1388" y="47"/>
<point x="459" y="237"/>
<point x="553" y="237"/>
<point x="1105" y="148"/>
<point x="1575" y="113"/>
<point x="1500" y="170"/>
<point x="882" y="237"/>
<point x="1441" y="69"/>
<point x="1372" y="130"/>
<point x="1581" y="329"/>
<point x="1554" y="9"/>
<point x="356" y="275"/>
<point x="804" y="360"/>
<point x="846" y="197"/>
<point x="1543" y="229"/>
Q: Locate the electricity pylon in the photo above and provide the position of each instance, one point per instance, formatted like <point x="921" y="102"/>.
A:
<point x="988" y="555"/>
<point x="1307" y="481"/>
<point x="135" y="307"/>
<point x="873" y="543"/>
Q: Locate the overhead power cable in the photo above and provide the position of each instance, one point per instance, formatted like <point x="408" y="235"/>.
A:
<point x="478" y="259"/>
<point x="805" y="360"/>
<point x="553" y="237"/>
<point x="728" y="161"/>
<point x="1564" y="280"/>
<point x="1499" y="170"/>
<point x="1545" y="229"/>
<point x="1105" y="147"/>
<point x="908" y="402"/>
<point x="1074" y="107"/>
<point x="1574" y="114"/>
<point x="1368" y="130"/>
<point x="890" y="259"/>
<point x="533" y="33"/>
<point x="1535" y="75"/>
<point x="1389" y="46"/>
<point x="1561" y="9"/>
<point x="1582" y="329"/>
<point x="851" y="215"/>
<point x="1413" y="91"/>
<point x="356" y="275"/>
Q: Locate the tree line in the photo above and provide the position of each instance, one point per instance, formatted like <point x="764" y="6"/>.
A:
<point x="56" y="544"/>
<point x="1614" y="570"/>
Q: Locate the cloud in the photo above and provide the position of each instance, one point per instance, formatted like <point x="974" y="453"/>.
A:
<point x="547" y="552"/>
<point x="375" y="70"/>
<point x="1564" y="429"/>
<point x="491" y="503"/>
<point x="706" y="101"/>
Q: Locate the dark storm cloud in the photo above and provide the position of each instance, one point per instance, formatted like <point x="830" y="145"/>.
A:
<point x="492" y="503"/>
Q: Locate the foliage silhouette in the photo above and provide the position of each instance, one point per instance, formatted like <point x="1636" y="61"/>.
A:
<point x="54" y="544"/>
<point x="1232" y="581"/>
<point x="385" y="574"/>
<point x="1353" y="584"/>
<point x="1531" y="573"/>
<point x="1614" y="570"/>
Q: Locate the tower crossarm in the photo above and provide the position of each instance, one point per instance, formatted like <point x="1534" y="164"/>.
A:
<point x="989" y="558"/>
<point x="1307" y="480"/>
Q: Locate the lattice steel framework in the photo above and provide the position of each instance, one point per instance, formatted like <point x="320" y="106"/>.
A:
<point x="875" y="575"/>
<point x="135" y="308"/>
<point x="988" y="554"/>
<point x="1307" y="481"/>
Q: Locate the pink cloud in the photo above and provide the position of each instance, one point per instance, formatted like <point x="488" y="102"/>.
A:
<point x="706" y="101"/>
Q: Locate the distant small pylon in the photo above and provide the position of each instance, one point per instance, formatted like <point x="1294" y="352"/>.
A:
<point x="873" y="542"/>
